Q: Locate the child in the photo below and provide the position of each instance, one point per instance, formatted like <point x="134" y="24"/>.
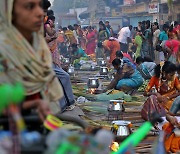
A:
<point x="161" y="54"/>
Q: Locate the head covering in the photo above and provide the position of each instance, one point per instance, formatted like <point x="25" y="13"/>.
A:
<point x="29" y="64"/>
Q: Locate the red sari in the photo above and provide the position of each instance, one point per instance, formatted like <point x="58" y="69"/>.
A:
<point x="91" y="43"/>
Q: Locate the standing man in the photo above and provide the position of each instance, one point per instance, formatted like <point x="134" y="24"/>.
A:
<point x="124" y="38"/>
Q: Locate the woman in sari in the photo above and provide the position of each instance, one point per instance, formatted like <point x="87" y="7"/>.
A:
<point x="147" y="42"/>
<point x="126" y="78"/>
<point x="102" y="36"/>
<point x="138" y="42"/>
<point x="167" y="88"/>
<point x="171" y="49"/>
<point x="91" y="42"/>
<point x="172" y="142"/>
<point x="25" y="56"/>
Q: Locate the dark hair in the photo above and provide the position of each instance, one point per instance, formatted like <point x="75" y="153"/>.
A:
<point x="139" y="60"/>
<point x="165" y="26"/>
<point x="104" y="27"/>
<point x="51" y="17"/>
<point x="148" y="23"/>
<point x="70" y="27"/>
<point x="176" y="23"/>
<point x="116" y="62"/>
<point x="130" y="27"/>
<point x="46" y="4"/>
<point x="101" y="22"/>
<point x="168" y="67"/>
<point x="119" y="54"/>
<point x="156" y="23"/>
<point x="75" y="25"/>
<point x="50" y="12"/>
<point x="158" y="48"/>
<point x="148" y="59"/>
<point x="64" y="28"/>
<point x="74" y="45"/>
<point x="178" y="68"/>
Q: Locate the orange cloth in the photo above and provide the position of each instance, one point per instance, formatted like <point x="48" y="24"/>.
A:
<point x="171" y="89"/>
<point x="172" y="143"/>
<point x="113" y="46"/>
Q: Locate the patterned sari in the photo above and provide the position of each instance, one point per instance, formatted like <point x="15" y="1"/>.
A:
<point x="164" y="88"/>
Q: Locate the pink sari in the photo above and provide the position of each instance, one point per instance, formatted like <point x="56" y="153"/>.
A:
<point x="91" y="43"/>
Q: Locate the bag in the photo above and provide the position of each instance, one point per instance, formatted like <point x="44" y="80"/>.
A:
<point x="151" y="106"/>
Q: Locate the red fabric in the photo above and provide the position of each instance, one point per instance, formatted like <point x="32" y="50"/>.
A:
<point x="91" y="44"/>
<point x="113" y="46"/>
<point x="173" y="45"/>
<point x="33" y="97"/>
<point x="128" y="56"/>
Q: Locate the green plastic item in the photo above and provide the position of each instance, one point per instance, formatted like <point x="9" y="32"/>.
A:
<point x="134" y="139"/>
<point x="67" y="147"/>
<point x="11" y="95"/>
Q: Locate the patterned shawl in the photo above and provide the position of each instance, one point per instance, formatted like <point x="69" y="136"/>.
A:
<point x="21" y="62"/>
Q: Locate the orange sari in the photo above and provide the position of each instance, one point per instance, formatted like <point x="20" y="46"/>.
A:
<point x="172" y="143"/>
<point x="165" y="89"/>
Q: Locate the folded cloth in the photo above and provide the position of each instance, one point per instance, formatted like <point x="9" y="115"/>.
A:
<point x="112" y="95"/>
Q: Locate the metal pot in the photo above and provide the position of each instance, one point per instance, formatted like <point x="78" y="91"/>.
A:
<point x="66" y="60"/>
<point x="71" y="70"/>
<point x="103" y="71"/>
<point x="101" y="62"/>
<point x="93" y="83"/>
<point x="93" y="68"/>
<point x="116" y="105"/>
<point x="121" y="128"/>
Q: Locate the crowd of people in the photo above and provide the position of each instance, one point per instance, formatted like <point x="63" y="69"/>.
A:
<point x="137" y="54"/>
<point x="33" y="57"/>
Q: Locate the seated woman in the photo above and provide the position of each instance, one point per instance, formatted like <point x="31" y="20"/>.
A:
<point x="126" y="78"/>
<point x="77" y="54"/>
<point x="25" y="57"/>
<point x="167" y="88"/>
<point x="146" y="67"/>
<point x="172" y="142"/>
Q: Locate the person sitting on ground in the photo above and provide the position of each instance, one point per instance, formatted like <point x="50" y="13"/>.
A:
<point x="126" y="78"/>
<point x="167" y="88"/>
<point x="126" y="58"/>
<point x="172" y="142"/>
<point x="77" y="54"/>
<point x="146" y="67"/>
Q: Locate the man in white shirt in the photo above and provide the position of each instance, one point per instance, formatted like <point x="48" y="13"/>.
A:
<point x="124" y="38"/>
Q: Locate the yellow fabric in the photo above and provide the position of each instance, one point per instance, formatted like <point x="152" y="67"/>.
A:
<point x="21" y="62"/>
